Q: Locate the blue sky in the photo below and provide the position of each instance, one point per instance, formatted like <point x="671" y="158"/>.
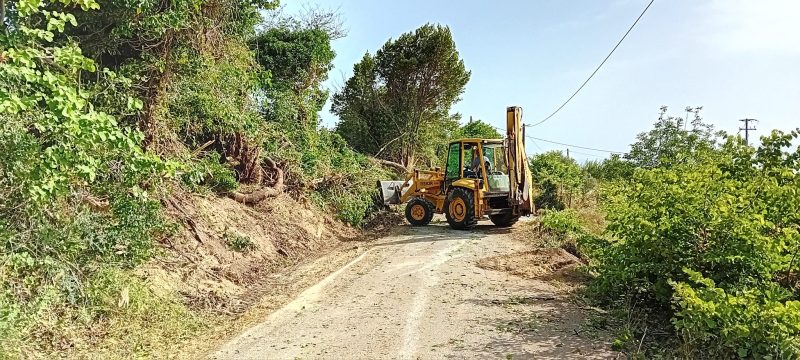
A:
<point x="736" y="58"/>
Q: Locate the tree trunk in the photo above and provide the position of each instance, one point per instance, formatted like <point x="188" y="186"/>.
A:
<point x="154" y="96"/>
<point x="3" y="16"/>
<point x="400" y="168"/>
<point x="259" y="195"/>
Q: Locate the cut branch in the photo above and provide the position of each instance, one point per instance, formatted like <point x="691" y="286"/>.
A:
<point x="397" y="166"/>
<point x="261" y="194"/>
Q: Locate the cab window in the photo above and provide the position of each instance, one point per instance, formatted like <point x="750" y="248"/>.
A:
<point x="496" y="156"/>
<point x="453" y="170"/>
<point x="472" y="167"/>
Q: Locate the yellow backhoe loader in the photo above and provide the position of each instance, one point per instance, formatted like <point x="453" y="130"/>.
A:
<point x="482" y="177"/>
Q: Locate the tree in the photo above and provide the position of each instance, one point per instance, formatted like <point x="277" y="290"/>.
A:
<point x="557" y="176"/>
<point x="612" y="168"/>
<point x="476" y="129"/>
<point x="670" y="142"/>
<point x="167" y="48"/>
<point x="298" y="61"/>
<point x="396" y="106"/>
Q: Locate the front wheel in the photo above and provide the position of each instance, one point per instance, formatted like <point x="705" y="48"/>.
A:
<point x="419" y="212"/>
<point x="504" y="220"/>
<point x="460" y="209"/>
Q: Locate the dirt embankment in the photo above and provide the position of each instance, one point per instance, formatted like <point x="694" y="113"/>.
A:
<point x="231" y="262"/>
<point x="224" y="248"/>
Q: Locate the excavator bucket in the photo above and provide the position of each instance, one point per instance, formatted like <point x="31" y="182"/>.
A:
<point x="390" y="191"/>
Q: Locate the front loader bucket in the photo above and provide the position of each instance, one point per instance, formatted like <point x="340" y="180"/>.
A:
<point x="390" y="191"/>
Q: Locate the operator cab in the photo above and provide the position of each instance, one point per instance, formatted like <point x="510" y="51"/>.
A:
<point x="480" y="159"/>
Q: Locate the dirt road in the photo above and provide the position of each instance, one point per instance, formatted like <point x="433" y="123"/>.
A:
<point x="421" y="296"/>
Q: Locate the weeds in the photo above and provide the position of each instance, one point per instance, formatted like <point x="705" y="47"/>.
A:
<point x="239" y="243"/>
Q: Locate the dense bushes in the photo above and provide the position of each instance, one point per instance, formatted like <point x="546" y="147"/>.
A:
<point x="75" y="186"/>
<point x="753" y="321"/>
<point x="104" y="111"/>
<point x="716" y="239"/>
<point x="698" y="228"/>
<point x="558" y="178"/>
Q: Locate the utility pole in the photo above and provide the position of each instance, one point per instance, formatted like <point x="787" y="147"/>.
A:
<point x="747" y="129"/>
<point x="567" y="153"/>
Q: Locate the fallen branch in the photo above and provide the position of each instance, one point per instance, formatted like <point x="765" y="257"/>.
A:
<point x="259" y="195"/>
<point x="396" y="166"/>
<point x="202" y="147"/>
<point x="186" y="218"/>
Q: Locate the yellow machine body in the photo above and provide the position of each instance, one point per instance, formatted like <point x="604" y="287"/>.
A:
<point x="499" y="186"/>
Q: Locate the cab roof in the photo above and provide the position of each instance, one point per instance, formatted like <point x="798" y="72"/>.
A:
<point x="474" y="140"/>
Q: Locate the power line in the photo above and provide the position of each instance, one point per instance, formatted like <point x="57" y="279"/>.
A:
<point x="598" y="67"/>
<point x="587" y="154"/>
<point x="575" y="146"/>
<point x="569" y="150"/>
<point x="537" y="145"/>
<point x="563" y="144"/>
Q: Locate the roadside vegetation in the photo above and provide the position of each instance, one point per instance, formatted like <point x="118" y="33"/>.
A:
<point x="693" y="237"/>
<point x="110" y="110"/>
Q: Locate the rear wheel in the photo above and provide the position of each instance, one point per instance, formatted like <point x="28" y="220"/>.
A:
<point x="460" y="209"/>
<point x="419" y="212"/>
<point x="504" y="220"/>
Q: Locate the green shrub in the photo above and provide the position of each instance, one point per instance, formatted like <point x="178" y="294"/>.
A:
<point x="239" y="243"/>
<point x="46" y="271"/>
<point x="561" y="223"/>
<point x="751" y="322"/>
<point x="558" y="177"/>
<point x="731" y="214"/>
<point x="210" y="173"/>
<point x="699" y="216"/>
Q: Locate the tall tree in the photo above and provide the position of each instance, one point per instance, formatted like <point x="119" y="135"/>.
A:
<point x="397" y="103"/>
<point x="672" y="140"/>
<point x="477" y="129"/>
<point x="298" y="61"/>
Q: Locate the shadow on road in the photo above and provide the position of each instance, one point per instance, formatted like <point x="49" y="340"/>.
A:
<point x="550" y="324"/>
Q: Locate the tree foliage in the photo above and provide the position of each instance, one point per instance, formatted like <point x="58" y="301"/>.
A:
<point x="717" y="236"/>
<point x="557" y="176"/>
<point x="476" y="129"/>
<point x="610" y="169"/>
<point x="670" y="142"/>
<point x="397" y="103"/>
<point x="298" y="57"/>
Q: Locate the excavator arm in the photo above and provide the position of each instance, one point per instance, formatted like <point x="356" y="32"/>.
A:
<point x="520" y="195"/>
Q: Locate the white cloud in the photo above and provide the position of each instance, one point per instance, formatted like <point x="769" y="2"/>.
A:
<point x="754" y="26"/>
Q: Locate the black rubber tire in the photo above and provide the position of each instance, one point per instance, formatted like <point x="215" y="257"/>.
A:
<point x="426" y="219"/>
<point x="504" y="220"/>
<point x="468" y="197"/>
